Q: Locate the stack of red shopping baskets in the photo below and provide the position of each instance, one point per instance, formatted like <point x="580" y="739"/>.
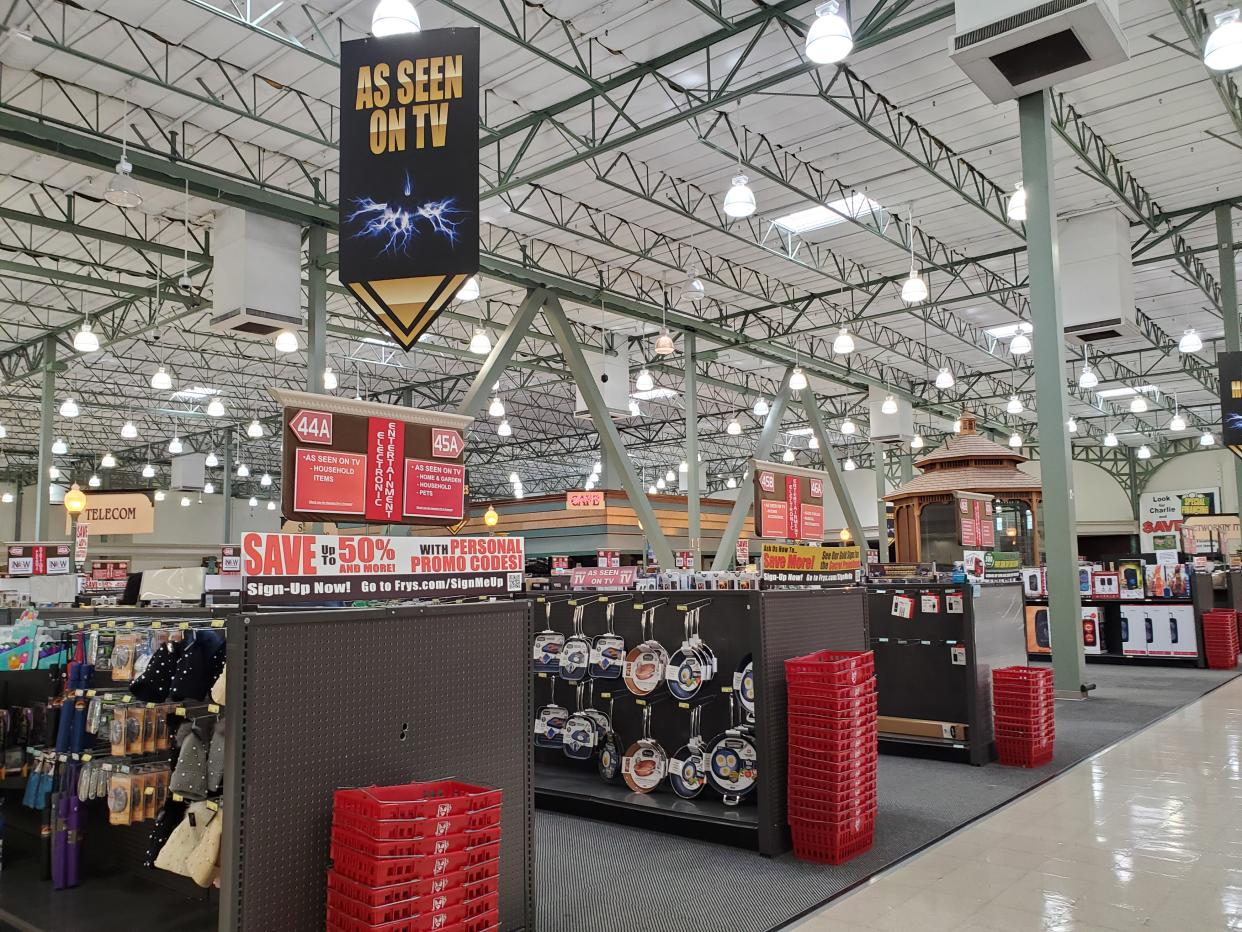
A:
<point x="1022" y="707"/>
<point x="1220" y="639"/>
<point x="832" y="754"/>
<point x="413" y="858"/>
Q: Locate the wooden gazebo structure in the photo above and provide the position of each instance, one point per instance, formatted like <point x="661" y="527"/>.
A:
<point x="967" y="462"/>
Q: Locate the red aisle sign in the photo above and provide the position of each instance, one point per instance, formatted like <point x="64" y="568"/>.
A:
<point x="385" y="452"/>
<point x="812" y="522"/>
<point x="446" y="443"/>
<point x="774" y="519"/>
<point x="793" y="500"/>
<point x="985" y="524"/>
<point x="312" y="427"/>
<point x="434" y="490"/>
<point x="329" y="481"/>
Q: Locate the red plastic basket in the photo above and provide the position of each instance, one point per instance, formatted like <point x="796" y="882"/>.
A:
<point x="853" y="691"/>
<point x="1016" y="752"/>
<point x="405" y="909"/>
<point x="818" y="778"/>
<point x="812" y="703"/>
<point x="412" y="847"/>
<point x="1221" y="661"/>
<point x="851" y="805"/>
<point x="438" y="799"/>
<point x="821" y="753"/>
<point x="863" y="736"/>
<point x="831" y="842"/>
<point x="441" y="921"/>
<point x="1020" y="675"/>
<point x="378" y="871"/>
<point x="831" y="667"/>
<point x="393" y="829"/>
<point x="487" y="872"/>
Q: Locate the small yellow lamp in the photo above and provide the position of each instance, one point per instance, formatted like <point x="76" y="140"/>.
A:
<point x="845" y="534"/>
<point x="490" y="518"/>
<point x="75" y="503"/>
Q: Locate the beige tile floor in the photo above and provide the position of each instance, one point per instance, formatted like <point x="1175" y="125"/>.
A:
<point x="1147" y="836"/>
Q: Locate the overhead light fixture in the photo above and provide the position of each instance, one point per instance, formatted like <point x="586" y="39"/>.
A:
<point x="1144" y="452"/>
<point x="739" y="200"/>
<point x="1088" y="378"/>
<point x="1020" y="345"/>
<point x="271" y="506"/>
<point x="914" y="289"/>
<point x="1015" y="405"/>
<point x="664" y="344"/>
<point x="265" y="480"/>
<point x="108" y="461"/>
<point x="185" y="501"/>
<point x="1072" y="425"/>
<point x="53" y="472"/>
<point x="160" y="495"/>
<point x="813" y="443"/>
<point x="212" y="461"/>
<point x="652" y="490"/>
<point x="1138" y="404"/>
<point x="761" y="408"/>
<point x="829" y="39"/>
<point x="1177" y="422"/>
<point x="1015" y="439"/>
<point x="69" y="407"/>
<point x="161" y="381"/>
<point x="209" y="488"/>
<point x="394" y="17"/>
<point x="469" y="291"/>
<point x="917" y="442"/>
<point x="4" y="431"/>
<point x="1207" y="438"/>
<point x="7" y="498"/>
<point x="184" y="282"/>
<point x="696" y="288"/>
<point x="797" y="380"/>
<point x="843" y="345"/>
<point x="734" y="429"/>
<point x="515" y="479"/>
<point x="148" y="471"/>
<point x="683" y="466"/>
<point x="788" y="455"/>
<point x="1016" y="210"/>
<point x="670" y="476"/>
<point x="845" y="535"/>
<point x="849" y="465"/>
<point x="243" y="471"/>
<point x="215" y="408"/>
<point x="848" y="427"/>
<point x="590" y="484"/>
<point x="252" y="502"/>
<point x="175" y="445"/>
<point x="731" y="483"/>
<point x="129" y="431"/>
<point x="1190" y="342"/>
<point x="504" y="429"/>
<point x="1223" y="49"/>
<point x="661" y="485"/>
<point x="122" y="191"/>
<point x="254" y="430"/>
<point x="889" y="406"/>
<point x="1110" y="439"/>
<point x="286" y="342"/>
<point x="59" y="447"/>
<point x="496" y="408"/>
<point x="330" y="380"/>
<point x="480" y="343"/>
<point x="85" y="340"/>
<point x="643" y="382"/>
<point x="635" y="410"/>
<point x="944" y="378"/>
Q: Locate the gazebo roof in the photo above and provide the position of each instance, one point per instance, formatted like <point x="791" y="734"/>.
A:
<point x="968" y="463"/>
<point x="968" y="445"/>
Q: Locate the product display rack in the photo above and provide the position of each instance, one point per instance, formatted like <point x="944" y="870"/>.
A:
<point x="933" y="668"/>
<point x="323" y="699"/>
<point x="770" y="627"/>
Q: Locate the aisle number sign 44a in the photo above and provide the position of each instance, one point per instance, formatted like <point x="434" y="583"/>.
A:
<point x="312" y="427"/>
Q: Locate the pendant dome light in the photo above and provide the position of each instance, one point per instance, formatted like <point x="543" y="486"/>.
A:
<point x="504" y="429"/>
<point x="829" y="39"/>
<point x="59" y="447"/>
<point x="944" y="378"/>
<point x="394" y="17"/>
<point x="1015" y="439"/>
<point x="661" y="485"/>
<point x="652" y="490"/>
<point x="53" y="472"/>
<point x="480" y="343"/>
<point x="788" y="455"/>
<point x="122" y="190"/>
<point x="696" y="288"/>
<point x="1223" y="49"/>
<point x="813" y="442"/>
<point x="1110" y="439"/>
<point x="635" y="410"/>
<point x="265" y="480"/>
<point x="1088" y="379"/>
<point x="129" y="431"/>
<point x="1016" y="209"/>
<point x="161" y="381"/>
<point x="175" y="446"/>
<point x="185" y="501"/>
<point x="1138" y="404"/>
<point x="643" y="382"/>
<point x="243" y="471"/>
<point x="1144" y="452"/>
<point x="330" y="381"/>
<point x="664" y="344"/>
<point x="215" y="408"/>
<point x="108" y="461"/>
<point x="1020" y="345"/>
<point x="1207" y="439"/>
<point x="469" y="291"/>
<point x="731" y="483"/>
<point x="739" y="200"/>
<point x="212" y="461"/>
<point x="1072" y="425"/>
<point x="496" y="408"/>
<point x="7" y="498"/>
<point x="1177" y="422"/>
<point x="252" y="502"/>
<point x="843" y="345"/>
<point x="914" y="288"/>
<point x="94" y="481"/>
<point x="848" y="427"/>
<point x="85" y="340"/>
<point x="797" y="380"/>
<point x="1015" y="405"/>
<point x="670" y="476"/>
<point x="254" y="430"/>
<point x="1190" y="342"/>
<point x="761" y="408"/>
<point x="734" y="429"/>
<point x="271" y="506"/>
<point x="69" y="407"/>
<point x="849" y="465"/>
<point x="889" y="406"/>
<point x="286" y="342"/>
<point x="148" y="471"/>
<point x="209" y="488"/>
<point x="917" y="442"/>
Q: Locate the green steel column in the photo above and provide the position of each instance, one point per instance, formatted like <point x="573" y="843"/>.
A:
<point x="881" y="525"/>
<point x="317" y="307"/>
<point x="1056" y="476"/>
<point x="810" y="405"/>
<point x="226" y="486"/>
<point x="47" y="410"/>
<point x="907" y="468"/>
<point x="694" y="529"/>
<point x="1229" y="309"/>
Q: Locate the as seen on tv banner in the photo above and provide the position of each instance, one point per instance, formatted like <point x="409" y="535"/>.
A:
<point x="409" y="150"/>
<point x="789" y="502"/>
<point x="369" y="463"/>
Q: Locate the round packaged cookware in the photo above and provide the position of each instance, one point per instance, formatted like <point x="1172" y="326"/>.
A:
<point x="732" y="765"/>
<point x="687" y="768"/>
<point x="691" y="665"/>
<point x="576" y="654"/>
<point x="645" y="664"/>
<point x="645" y="763"/>
<point x="744" y="685"/>
<point x="579" y="737"/>
<point x="610" y="755"/>
<point x="608" y="651"/>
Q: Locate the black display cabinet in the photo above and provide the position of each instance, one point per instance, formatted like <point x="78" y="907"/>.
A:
<point x="770" y="627"/>
<point x="936" y="645"/>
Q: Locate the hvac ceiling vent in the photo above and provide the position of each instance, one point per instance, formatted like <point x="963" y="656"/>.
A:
<point x="612" y="378"/>
<point x="257" y="275"/>
<point x="1010" y="48"/>
<point x="1097" y="277"/>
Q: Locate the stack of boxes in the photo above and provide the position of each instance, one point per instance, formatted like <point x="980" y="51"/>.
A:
<point x="1025" y="722"/>
<point x="415" y="857"/>
<point x="832" y="754"/>
<point x="1220" y="639"/>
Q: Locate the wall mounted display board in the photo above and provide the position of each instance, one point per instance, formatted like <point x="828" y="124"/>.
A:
<point x="1161" y="514"/>
<point x="347" y="460"/>
<point x="324" y="699"/>
<point x="789" y="501"/>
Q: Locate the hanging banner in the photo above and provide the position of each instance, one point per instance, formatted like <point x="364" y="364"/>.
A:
<point x="1161" y="515"/>
<point x="286" y="569"/>
<point x="117" y="513"/>
<point x="369" y="462"/>
<point x="789" y="502"/>
<point x="409" y="182"/>
<point x="975" y="527"/>
<point x="81" y="543"/>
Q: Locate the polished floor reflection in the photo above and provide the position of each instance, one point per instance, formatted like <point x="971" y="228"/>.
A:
<point x="1146" y="836"/>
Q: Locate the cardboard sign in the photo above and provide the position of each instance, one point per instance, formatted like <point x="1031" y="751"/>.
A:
<point x="117" y="513"/>
<point x="974" y="520"/>
<point x="287" y="569"/>
<point x="560" y="564"/>
<point x="230" y="560"/>
<point x="38" y="559"/>
<point x="608" y="558"/>
<point x="409" y="174"/>
<point x="584" y="501"/>
<point x="794" y="558"/>
<point x="1161" y="515"/>
<point x="743" y="551"/>
<point x="616" y="577"/>
<point x="789" y="502"/>
<point x="81" y="543"/>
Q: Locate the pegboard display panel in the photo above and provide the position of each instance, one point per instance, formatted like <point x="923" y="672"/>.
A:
<point x="794" y="623"/>
<point x="352" y="698"/>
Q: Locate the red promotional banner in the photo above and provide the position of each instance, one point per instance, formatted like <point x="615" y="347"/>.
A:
<point x="617" y="577"/>
<point x="987" y="528"/>
<point x="40" y="561"/>
<point x="793" y="501"/>
<point x="434" y="490"/>
<point x="774" y="519"/>
<point x="812" y="522"/>
<point x="789" y="502"/>
<point x="386" y="450"/>
<point x="328" y="481"/>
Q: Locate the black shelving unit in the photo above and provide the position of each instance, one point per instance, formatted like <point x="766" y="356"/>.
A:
<point x="936" y="667"/>
<point x="771" y="627"/>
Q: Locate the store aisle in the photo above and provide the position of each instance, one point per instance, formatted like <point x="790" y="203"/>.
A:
<point x="1148" y="836"/>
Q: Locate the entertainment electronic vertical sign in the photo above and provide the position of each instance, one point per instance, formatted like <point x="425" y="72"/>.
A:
<point x="1229" y="368"/>
<point x="409" y="198"/>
